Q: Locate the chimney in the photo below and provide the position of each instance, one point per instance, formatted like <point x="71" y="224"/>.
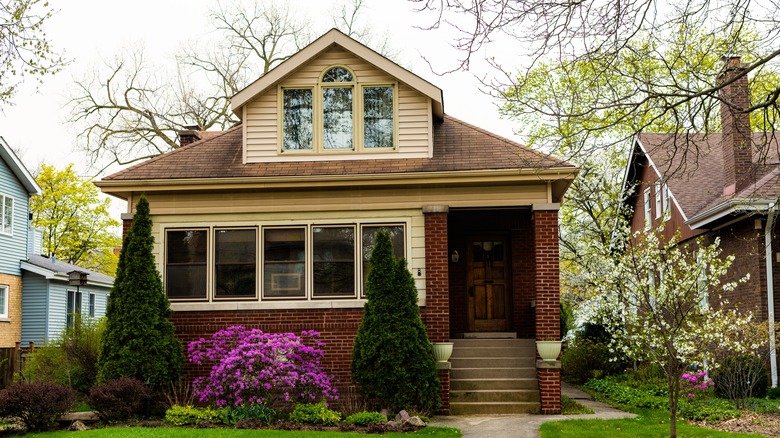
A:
<point x="190" y="134"/>
<point x="735" y="121"/>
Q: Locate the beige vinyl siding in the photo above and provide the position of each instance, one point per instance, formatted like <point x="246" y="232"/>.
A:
<point x="347" y="200"/>
<point x="412" y="219"/>
<point x="261" y="140"/>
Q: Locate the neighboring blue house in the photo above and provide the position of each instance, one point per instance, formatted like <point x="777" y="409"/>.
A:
<point x="48" y="302"/>
<point x="36" y="303"/>
<point x="16" y="187"/>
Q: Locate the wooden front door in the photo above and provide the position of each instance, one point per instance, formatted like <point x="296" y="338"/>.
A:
<point x="488" y="284"/>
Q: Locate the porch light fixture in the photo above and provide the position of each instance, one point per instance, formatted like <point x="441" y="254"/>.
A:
<point x="487" y="246"/>
<point x="455" y="256"/>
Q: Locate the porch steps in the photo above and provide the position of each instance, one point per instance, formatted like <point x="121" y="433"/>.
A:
<point x="493" y="375"/>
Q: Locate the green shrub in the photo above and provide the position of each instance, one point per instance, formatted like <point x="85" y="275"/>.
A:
<point x="627" y="396"/>
<point x="773" y="393"/>
<point x="709" y="409"/>
<point x="37" y="405"/>
<point x="365" y="418"/>
<point x="189" y="415"/>
<point x="71" y="360"/>
<point x="740" y="377"/>
<point x="242" y="413"/>
<point x="585" y="359"/>
<point x="139" y="338"/>
<point x="392" y="358"/>
<point x="118" y="399"/>
<point x="309" y="413"/>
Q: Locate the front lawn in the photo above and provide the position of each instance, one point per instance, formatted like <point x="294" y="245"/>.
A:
<point x="648" y="423"/>
<point x="166" y="432"/>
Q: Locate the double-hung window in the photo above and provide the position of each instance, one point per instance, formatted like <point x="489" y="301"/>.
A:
<point x="646" y="199"/>
<point x="91" y="305"/>
<point x="667" y="203"/>
<point x="235" y="260"/>
<point x="333" y="261"/>
<point x="73" y="307"/>
<point x="185" y="263"/>
<point x="338" y="114"/>
<point x="284" y="262"/>
<point x="658" y="206"/>
<point x="6" y="214"/>
<point x="4" y="301"/>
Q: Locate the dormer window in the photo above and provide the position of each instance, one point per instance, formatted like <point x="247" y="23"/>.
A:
<point x="322" y="118"/>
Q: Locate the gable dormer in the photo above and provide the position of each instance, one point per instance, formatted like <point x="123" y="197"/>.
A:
<point x="337" y="100"/>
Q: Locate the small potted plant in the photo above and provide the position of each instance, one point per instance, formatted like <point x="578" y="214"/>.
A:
<point x="548" y="349"/>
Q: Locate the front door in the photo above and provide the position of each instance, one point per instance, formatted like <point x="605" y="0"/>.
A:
<point x="488" y="284"/>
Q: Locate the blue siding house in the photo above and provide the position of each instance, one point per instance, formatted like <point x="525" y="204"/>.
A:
<point x="49" y="303"/>
<point x="16" y="187"/>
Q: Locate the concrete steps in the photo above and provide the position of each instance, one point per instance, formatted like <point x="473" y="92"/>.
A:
<point x="493" y="374"/>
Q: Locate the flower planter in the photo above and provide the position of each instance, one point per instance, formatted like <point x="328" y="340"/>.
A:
<point x="442" y="351"/>
<point x="548" y="350"/>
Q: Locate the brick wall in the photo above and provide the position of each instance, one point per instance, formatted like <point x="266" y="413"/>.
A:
<point x="747" y="244"/>
<point x="11" y="328"/>
<point x="436" y="314"/>
<point x="523" y="277"/>
<point x="545" y="225"/>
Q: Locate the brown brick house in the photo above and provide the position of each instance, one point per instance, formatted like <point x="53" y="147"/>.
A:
<point x="712" y="185"/>
<point x="269" y="224"/>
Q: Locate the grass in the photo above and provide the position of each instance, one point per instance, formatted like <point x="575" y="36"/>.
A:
<point x="165" y="432"/>
<point x="571" y="407"/>
<point x="648" y="423"/>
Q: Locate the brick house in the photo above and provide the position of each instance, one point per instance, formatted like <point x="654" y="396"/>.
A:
<point x="712" y="185"/>
<point x="269" y="224"/>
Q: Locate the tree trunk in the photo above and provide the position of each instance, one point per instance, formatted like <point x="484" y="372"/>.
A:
<point x="673" y="381"/>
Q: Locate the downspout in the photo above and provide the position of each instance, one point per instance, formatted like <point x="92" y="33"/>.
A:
<point x="770" y="293"/>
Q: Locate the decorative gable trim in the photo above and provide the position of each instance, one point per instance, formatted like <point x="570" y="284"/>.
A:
<point x="334" y="36"/>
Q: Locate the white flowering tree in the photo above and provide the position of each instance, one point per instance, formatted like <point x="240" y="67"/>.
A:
<point x="655" y="295"/>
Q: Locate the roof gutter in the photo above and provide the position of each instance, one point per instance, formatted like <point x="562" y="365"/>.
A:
<point x="724" y="209"/>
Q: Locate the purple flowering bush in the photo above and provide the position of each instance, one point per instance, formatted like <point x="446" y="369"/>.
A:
<point x="250" y="366"/>
<point x="695" y="384"/>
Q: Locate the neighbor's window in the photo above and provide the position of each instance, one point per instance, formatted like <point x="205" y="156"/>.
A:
<point x="235" y="259"/>
<point x="3" y="301"/>
<point x="185" y="264"/>
<point x="667" y="204"/>
<point x="91" y="305"/>
<point x="297" y="129"/>
<point x="74" y="306"/>
<point x="337" y="126"/>
<point x="378" y="117"/>
<point x="647" y="207"/>
<point x="334" y="261"/>
<point x="284" y="262"/>
<point x="658" y="202"/>
<point x="369" y="239"/>
<point x="6" y="214"/>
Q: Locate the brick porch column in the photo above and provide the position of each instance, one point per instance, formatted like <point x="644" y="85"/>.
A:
<point x="548" y="297"/>
<point x="127" y="222"/>
<point x="436" y="314"/>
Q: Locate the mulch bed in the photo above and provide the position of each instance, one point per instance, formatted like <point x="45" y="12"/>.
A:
<point x="749" y="422"/>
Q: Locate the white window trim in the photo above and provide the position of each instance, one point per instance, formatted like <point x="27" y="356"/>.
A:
<point x="647" y="208"/>
<point x="667" y="201"/>
<point x="4" y="303"/>
<point x="658" y="201"/>
<point x="2" y="215"/>
<point x="318" y="132"/>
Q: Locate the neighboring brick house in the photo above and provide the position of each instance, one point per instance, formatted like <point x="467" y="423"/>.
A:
<point x="16" y="188"/>
<point x="270" y="224"/>
<point x="717" y="185"/>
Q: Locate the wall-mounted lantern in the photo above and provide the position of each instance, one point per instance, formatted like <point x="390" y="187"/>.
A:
<point x="455" y="256"/>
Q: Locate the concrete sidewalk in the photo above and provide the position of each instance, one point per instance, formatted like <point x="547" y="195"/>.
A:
<point x="527" y="425"/>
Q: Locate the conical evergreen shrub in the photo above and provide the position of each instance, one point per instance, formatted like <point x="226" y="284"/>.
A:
<point x="139" y="338"/>
<point x="392" y="359"/>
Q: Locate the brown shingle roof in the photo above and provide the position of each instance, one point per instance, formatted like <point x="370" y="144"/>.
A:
<point x="458" y="146"/>
<point x="693" y="167"/>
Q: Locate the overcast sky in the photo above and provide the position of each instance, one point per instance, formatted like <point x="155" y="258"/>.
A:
<point x="90" y="30"/>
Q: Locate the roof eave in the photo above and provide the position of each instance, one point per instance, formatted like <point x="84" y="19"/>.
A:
<point x="18" y="169"/>
<point x="334" y="36"/>
<point x="551" y="174"/>
<point x="49" y="274"/>
<point x="701" y="220"/>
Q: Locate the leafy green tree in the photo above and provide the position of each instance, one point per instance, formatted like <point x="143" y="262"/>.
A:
<point x="76" y="223"/>
<point x="24" y="47"/>
<point x="139" y="338"/>
<point x="392" y="359"/>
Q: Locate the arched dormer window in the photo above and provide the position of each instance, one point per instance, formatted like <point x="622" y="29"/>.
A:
<point x="338" y="114"/>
